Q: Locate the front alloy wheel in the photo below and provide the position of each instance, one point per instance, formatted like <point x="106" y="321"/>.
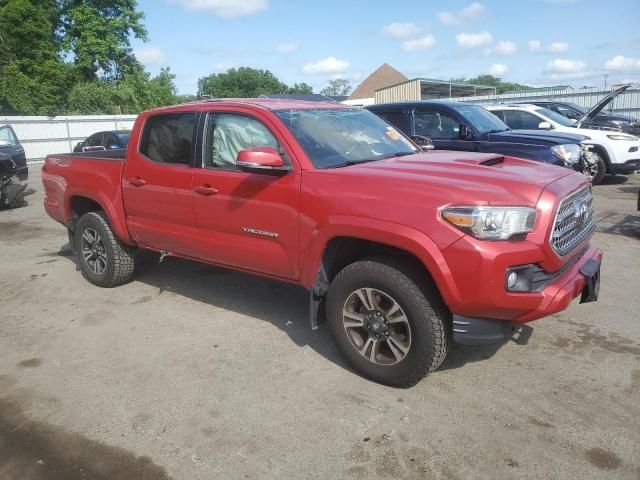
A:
<point x="376" y="326"/>
<point x="388" y="320"/>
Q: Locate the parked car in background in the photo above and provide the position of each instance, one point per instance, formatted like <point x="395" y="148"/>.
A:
<point x="404" y="252"/>
<point x="615" y="152"/>
<point x="10" y="149"/>
<point x="470" y="128"/>
<point x="601" y="120"/>
<point x="110" y="140"/>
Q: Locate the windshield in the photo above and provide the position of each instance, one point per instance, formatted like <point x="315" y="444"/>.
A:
<point x="480" y="119"/>
<point x="577" y="107"/>
<point x="339" y="137"/>
<point x="7" y="135"/>
<point x="556" y="117"/>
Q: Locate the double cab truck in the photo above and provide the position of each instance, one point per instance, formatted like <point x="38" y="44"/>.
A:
<point x="403" y="252"/>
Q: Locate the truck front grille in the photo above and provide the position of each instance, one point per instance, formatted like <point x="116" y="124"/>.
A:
<point x="574" y="221"/>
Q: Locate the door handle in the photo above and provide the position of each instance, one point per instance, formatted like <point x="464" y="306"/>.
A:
<point x="205" y="190"/>
<point x="136" y="181"/>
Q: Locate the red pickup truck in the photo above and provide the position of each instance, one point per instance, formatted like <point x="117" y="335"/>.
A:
<point x="403" y="252"/>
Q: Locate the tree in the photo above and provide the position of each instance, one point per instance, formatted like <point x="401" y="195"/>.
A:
<point x="240" y="82"/>
<point x="300" y="88"/>
<point x="33" y="77"/>
<point x="135" y="93"/>
<point x="337" y="87"/>
<point x="491" y="81"/>
<point x="98" y="34"/>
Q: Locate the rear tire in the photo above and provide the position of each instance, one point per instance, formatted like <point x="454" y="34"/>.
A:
<point x="405" y="332"/>
<point x="104" y="260"/>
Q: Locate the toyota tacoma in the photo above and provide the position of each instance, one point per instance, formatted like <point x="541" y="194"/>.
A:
<point x="403" y="252"/>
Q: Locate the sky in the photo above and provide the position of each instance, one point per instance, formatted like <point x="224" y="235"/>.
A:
<point x="533" y="42"/>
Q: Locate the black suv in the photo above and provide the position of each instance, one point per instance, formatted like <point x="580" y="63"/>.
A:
<point x="10" y="149"/>
<point x="110" y="140"/>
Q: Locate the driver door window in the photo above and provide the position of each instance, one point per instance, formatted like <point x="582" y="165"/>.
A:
<point x="228" y="133"/>
<point x="436" y="125"/>
<point x="518" y="120"/>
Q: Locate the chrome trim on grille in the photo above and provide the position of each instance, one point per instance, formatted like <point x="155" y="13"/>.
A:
<point x="574" y="221"/>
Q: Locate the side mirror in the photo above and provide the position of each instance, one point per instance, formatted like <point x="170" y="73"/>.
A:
<point x="424" y="142"/>
<point x="261" y="160"/>
<point x="5" y="144"/>
<point x="545" y="126"/>
<point x="463" y="132"/>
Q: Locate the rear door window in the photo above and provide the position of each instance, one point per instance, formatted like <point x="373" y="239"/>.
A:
<point x="396" y="119"/>
<point x="95" y="140"/>
<point x="170" y="138"/>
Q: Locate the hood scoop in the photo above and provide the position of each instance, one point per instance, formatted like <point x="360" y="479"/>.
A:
<point x="492" y="161"/>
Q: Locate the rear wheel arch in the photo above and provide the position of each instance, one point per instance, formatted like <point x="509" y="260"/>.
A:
<point x="79" y="204"/>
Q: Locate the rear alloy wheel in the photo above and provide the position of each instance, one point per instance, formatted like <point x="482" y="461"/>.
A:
<point x="93" y="251"/>
<point x="104" y="260"/>
<point x="388" y="320"/>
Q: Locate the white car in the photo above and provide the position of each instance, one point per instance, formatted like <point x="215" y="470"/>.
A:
<point x="612" y="152"/>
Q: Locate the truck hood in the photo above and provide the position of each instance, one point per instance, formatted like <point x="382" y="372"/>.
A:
<point x="597" y="108"/>
<point x="535" y="137"/>
<point x="453" y="178"/>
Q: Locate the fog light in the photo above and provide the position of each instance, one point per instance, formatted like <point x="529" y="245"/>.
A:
<point x="512" y="280"/>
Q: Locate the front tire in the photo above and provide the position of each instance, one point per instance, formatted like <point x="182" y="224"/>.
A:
<point x="104" y="260"/>
<point x="596" y="168"/>
<point x="388" y="321"/>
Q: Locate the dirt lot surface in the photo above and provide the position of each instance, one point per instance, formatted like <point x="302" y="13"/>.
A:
<point x="194" y="372"/>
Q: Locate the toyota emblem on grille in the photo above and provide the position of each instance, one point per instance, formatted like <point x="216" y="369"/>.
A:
<point x="582" y="212"/>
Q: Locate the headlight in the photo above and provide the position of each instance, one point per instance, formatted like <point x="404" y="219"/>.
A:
<point x="492" y="223"/>
<point x="622" y="137"/>
<point x="569" y="153"/>
<point x="620" y="123"/>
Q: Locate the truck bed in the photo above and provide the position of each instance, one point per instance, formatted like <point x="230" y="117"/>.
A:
<point x="91" y="175"/>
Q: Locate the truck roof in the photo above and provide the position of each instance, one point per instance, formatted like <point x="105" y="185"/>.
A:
<point x="266" y="103"/>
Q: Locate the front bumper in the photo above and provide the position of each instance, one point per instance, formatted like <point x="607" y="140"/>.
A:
<point x="479" y="270"/>
<point x="484" y="331"/>
<point x="627" y="167"/>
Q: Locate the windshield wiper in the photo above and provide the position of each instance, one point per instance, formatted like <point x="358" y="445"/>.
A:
<point x="497" y="130"/>
<point x="349" y="163"/>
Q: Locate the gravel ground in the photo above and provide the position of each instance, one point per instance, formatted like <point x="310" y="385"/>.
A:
<point x="195" y="372"/>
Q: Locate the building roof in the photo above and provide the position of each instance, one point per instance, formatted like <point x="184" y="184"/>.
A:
<point x="431" y="88"/>
<point x="384" y="76"/>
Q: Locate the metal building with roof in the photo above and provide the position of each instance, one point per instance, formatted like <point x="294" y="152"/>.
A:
<point x="429" y="89"/>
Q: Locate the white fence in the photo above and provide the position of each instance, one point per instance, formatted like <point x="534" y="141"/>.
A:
<point x="41" y="136"/>
<point x="627" y="103"/>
